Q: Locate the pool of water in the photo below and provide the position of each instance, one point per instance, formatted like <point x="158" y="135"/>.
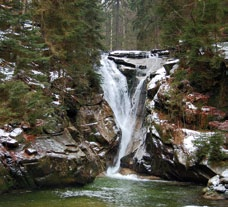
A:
<point x="113" y="192"/>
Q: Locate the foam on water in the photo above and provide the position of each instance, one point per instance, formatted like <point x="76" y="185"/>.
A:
<point x="133" y="177"/>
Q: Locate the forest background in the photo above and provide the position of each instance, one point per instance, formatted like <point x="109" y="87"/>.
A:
<point x="67" y="37"/>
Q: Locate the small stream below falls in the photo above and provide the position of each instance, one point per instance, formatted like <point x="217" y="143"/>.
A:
<point x="109" y="192"/>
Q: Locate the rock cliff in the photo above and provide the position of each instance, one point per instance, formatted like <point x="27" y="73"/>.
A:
<point x="64" y="149"/>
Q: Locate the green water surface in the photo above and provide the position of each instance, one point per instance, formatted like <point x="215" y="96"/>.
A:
<point x="110" y="192"/>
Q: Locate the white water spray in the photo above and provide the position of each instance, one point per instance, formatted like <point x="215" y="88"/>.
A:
<point x="116" y="93"/>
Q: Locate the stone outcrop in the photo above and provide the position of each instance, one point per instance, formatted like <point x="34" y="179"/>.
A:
<point x="64" y="154"/>
<point x="129" y="60"/>
<point x="47" y="161"/>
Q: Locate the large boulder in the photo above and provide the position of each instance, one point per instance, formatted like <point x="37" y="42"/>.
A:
<point x="48" y="161"/>
<point x="169" y="158"/>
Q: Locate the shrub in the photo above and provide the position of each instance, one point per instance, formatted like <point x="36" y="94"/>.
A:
<point x="216" y="143"/>
<point x="17" y="101"/>
<point x="38" y="106"/>
<point x="210" y="147"/>
<point x="203" y="146"/>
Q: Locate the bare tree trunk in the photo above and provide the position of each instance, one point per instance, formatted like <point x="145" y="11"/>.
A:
<point x="111" y="32"/>
<point x="24" y="8"/>
<point x="117" y="19"/>
<point x="124" y="32"/>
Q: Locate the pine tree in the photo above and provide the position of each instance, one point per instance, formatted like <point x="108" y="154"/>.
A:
<point x="71" y="29"/>
<point x="202" y="31"/>
<point x="47" y="35"/>
<point x="201" y="34"/>
<point x="22" y="40"/>
<point x="146" y="23"/>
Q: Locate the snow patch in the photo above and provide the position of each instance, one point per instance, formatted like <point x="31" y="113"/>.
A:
<point x="15" y="132"/>
<point x="36" y="84"/>
<point x="35" y="72"/>
<point x="3" y="133"/>
<point x="160" y="75"/>
<point x="171" y="61"/>
<point x="56" y="74"/>
<point x="225" y="173"/>
<point x="190" y="137"/>
<point x="56" y="103"/>
<point x="7" y="69"/>
<point x="191" y="106"/>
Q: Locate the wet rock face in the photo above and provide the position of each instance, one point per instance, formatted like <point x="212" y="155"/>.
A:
<point x="62" y="156"/>
<point x="167" y="161"/>
<point x="72" y="150"/>
<point x="97" y="126"/>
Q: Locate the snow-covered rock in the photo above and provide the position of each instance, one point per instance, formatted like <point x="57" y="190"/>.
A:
<point x="16" y="132"/>
<point x="224" y="174"/>
<point x="217" y="187"/>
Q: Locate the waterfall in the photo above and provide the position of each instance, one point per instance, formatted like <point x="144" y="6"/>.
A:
<point x="124" y="105"/>
<point x="115" y="89"/>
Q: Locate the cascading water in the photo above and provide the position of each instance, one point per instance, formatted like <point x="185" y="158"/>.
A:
<point x="124" y="106"/>
<point x="116" y="94"/>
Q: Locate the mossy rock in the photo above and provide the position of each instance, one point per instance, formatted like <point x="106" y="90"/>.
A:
<point x="53" y="126"/>
<point x="6" y="182"/>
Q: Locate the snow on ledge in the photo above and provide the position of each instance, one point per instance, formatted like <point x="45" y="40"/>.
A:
<point x="160" y="75"/>
<point x="115" y="52"/>
<point x="172" y="61"/>
<point x="3" y="133"/>
<point x="191" y="106"/>
<point x="191" y="136"/>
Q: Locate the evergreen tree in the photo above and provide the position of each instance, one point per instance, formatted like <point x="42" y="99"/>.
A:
<point x="21" y="39"/>
<point x="47" y="35"/>
<point x="200" y="36"/>
<point x="146" y="23"/>
<point x="71" y="29"/>
<point x="193" y="27"/>
<point x="202" y="31"/>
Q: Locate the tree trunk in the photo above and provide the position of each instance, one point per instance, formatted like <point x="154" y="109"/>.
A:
<point x="117" y="19"/>
<point x="111" y="33"/>
<point x="24" y="6"/>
